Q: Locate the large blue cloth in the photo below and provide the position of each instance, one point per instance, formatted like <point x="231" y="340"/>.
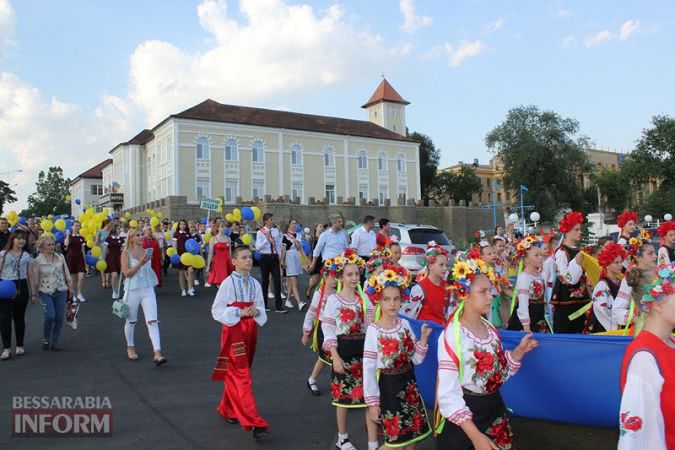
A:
<point x="568" y="378"/>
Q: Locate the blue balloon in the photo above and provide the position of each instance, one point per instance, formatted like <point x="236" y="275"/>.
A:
<point x="175" y="259"/>
<point x="22" y="220"/>
<point x="77" y="201"/>
<point x="298" y="228"/>
<point x="227" y="232"/>
<point x="247" y="213"/>
<point x="256" y="255"/>
<point x="7" y="289"/>
<point x="69" y="224"/>
<point x="306" y="247"/>
<point x="90" y="260"/>
<point x="192" y="246"/>
<point x="59" y="237"/>
<point x="12" y="229"/>
<point x="205" y="220"/>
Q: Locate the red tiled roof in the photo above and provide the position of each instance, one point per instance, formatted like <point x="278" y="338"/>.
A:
<point x="94" y="172"/>
<point x="385" y="92"/>
<point x="213" y="111"/>
<point x="141" y="138"/>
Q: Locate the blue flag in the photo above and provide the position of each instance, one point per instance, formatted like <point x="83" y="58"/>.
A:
<point x="523" y="188"/>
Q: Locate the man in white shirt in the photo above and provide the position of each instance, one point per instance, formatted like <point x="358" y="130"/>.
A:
<point x="331" y="243"/>
<point x="268" y="244"/>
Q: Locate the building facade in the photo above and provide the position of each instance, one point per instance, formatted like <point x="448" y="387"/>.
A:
<point x="87" y="187"/>
<point x="252" y="154"/>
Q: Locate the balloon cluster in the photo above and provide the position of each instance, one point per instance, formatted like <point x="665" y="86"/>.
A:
<point x="246" y="213"/>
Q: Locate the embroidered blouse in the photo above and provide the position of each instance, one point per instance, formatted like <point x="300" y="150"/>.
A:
<point x="238" y="288"/>
<point x="569" y="272"/>
<point x="530" y="290"/>
<point x="486" y="367"/>
<point x="621" y="304"/>
<point x="346" y="317"/>
<point x="310" y="315"/>
<point x="388" y="349"/>
<point x="604" y="306"/>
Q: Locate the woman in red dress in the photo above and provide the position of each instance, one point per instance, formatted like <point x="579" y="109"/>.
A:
<point x="114" y="244"/>
<point x="219" y="260"/>
<point x="149" y="241"/>
<point x="74" y="244"/>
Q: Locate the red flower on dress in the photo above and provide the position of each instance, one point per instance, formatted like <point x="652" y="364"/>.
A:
<point x="501" y="357"/>
<point x="335" y="389"/>
<point x="357" y="370"/>
<point x="417" y="421"/>
<point x="347" y="315"/>
<point x="401" y="360"/>
<point x="500" y="432"/>
<point x="537" y="289"/>
<point x="632" y="423"/>
<point x="355" y="329"/>
<point x="389" y="346"/>
<point x="392" y="426"/>
<point x="411" y="395"/>
<point x="494" y="382"/>
<point x="408" y="343"/>
<point x="484" y="362"/>
<point x="357" y="392"/>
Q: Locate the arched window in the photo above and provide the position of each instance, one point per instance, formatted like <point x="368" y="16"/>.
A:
<point x="400" y="164"/>
<point x="231" y="150"/>
<point x="363" y="160"/>
<point x="257" y="152"/>
<point x="203" y="151"/>
<point x="381" y="162"/>
<point x="296" y="155"/>
<point x="328" y="157"/>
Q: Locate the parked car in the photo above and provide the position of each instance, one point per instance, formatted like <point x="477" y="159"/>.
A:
<point x="413" y="239"/>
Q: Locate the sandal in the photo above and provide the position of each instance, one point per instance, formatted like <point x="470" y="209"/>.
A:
<point x="160" y="361"/>
<point x="132" y="357"/>
<point x="313" y="388"/>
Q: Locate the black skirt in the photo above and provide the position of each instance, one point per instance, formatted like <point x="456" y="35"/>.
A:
<point x="489" y="416"/>
<point x="317" y="344"/>
<point x="537" y="319"/>
<point x="404" y="416"/>
<point x="347" y="388"/>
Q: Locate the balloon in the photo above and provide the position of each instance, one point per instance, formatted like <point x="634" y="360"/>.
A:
<point x="47" y="234"/>
<point x="96" y="251"/>
<point x="246" y="239"/>
<point x="257" y="214"/>
<point x="229" y="217"/>
<point x="149" y="212"/>
<point x="154" y="221"/>
<point x="168" y="235"/>
<point x="105" y="211"/>
<point x="306" y="230"/>
<point x="298" y="228"/>
<point x="192" y="246"/>
<point x="68" y="198"/>
<point x="60" y="237"/>
<point x="227" y="232"/>
<point x="91" y="244"/>
<point x="247" y="214"/>
<point x="256" y="255"/>
<point x="123" y="220"/>
<point x="7" y="289"/>
<point x="60" y="224"/>
<point x="160" y="215"/>
<point x="205" y="220"/>
<point x="91" y="260"/>
<point x="77" y="201"/>
<point x="171" y="251"/>
<point x="306" y="247"/>
<point x="133" y="223"/>
<point x="198" y="262"/>
<point x="101" y="265"/>
<point x="22" y="220"/>
<point x="69" y="224"/>
<point x="175" y="259"/>
<point x="46" y="225"/>
<point x="127" y="215"/>
<point x="90" y="212"/>
<point x="174" y="227"/>
<point x="236" y="213"/>
<point x="207" y="237"/>
<point x="186" y="259"/>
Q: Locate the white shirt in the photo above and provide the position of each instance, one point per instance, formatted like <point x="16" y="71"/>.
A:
<point x="528" y="287"/>
<point x="263" y="245"/>
<point x="330" y="244"/>
<point x="621" y="304"/>
<point x="346" y="317"/>
<point x="604" y="306"/>
<point x="238" y="288"/>
<point x="569" y="272"/>
<point x="363" y="241"/>
<point x="663" y="257"/>
<point x="311" y="314"/>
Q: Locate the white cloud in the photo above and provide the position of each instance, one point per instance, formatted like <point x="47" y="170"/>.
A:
<point x="412" y="22"/>
<point x="6" y="24"/>
<point x="628" y="28"/>
<point x="599" y="37"/>
<point x="403" y="50"/>
<point x="496" y="25"/>
<point x="457" y="54"/>
<point x="276" y="49"/>
<point x="564" y="13"/>
<point x="567" y="41"/>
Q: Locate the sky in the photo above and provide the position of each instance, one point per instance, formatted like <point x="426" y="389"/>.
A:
<point x="79" y="76"/>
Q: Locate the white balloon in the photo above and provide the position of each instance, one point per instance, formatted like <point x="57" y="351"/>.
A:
<point x="534" y="217"/>
<point x="668" y="217"/>
<point x="513" y="218"/>
<point x="306" y="230"/>
<point x="648" y="218"/>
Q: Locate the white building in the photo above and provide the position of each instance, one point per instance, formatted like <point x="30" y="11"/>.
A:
<point x="87" y="187"/>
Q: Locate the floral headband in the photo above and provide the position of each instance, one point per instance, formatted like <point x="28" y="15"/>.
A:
<point x="434" y="251"/>
<point x="570" y="220"/>
<point x="665" y="227"/>
<point x="330" y="268"/>
<point x="609" y="253"/>
<point x="349" y="256"/>
<point x="392" y="276"/>
<point x="661" y="287"/>
<point x="635" y="243"/>
<point x="464" y="272"/>
<point x="525" y="244"/>
<point x="626" y="217"/>
<point x="377" y="258"/>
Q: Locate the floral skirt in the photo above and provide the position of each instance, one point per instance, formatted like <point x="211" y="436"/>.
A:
<point x="404" y="416"/>
<point x="537" y="319"/>
<point x="490" y="417"/>
<point x="317" y="344"/>
<point x="347" y="388"/>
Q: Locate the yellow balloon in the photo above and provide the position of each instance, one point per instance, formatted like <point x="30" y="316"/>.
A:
<point x="198" y="262"/>
<point x="101" y="265"/>
<point x="47" y="234"/>
<point x="256" y="212"/>
<point x="127" y="215"/>
<point x="229" y="217"/>
<point x="90" y="243"/>
<point x="168" y="235"/>
<point x="149" y="211"/>
<point x="171" y="251"/>
<point x="175" y="226"/>
<point x="46" y="225"/>
<point x="246" y="239"/>
<point x="90" y="212"/>
<point x="68" y="198"/>
<point x="220" y="209"/>
<point x="133" y="223"/>
<point x="12" y="221"/>
<point x="96" y="251"/>
<point x="160" y="215"/>
<point x="50" y="217"/>
<point x="60" y="224"/>
<point x="186" y="259"/>
<point x="123" y="219"/>
<point x="207" y="237"/>
<point x="81" y="218"/>
<point x="236" y="213"/>
<point x="106" y="211"/>
<point x="154" y="221"/>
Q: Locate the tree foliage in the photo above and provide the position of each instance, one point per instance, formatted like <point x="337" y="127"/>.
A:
<point x="7" y="195"/>
<point x="50" y="194"/>
<point x="457" y="186"/>
<point x="430" y="156"/>
<point x="545" y="152"/>
<point x="614" y="187"/>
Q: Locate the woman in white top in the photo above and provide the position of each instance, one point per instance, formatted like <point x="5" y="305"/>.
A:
<point x="291" y="264"/>
<point x="14" y="261"/>
<point x="52" y="283"/>
<point x="140" y="287"/>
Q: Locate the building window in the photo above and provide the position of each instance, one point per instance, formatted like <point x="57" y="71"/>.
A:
<point x="328" y="157"/>
<point x="363" y="192"/>
<point x="231" y="150"/>
<point x="363" y="160"/>
<point x="257" y="152"/>
<point x="296" y="191"/>
<point x="499" y="197"/>
<point x="96" y="189"/>
<point x="381" y="162"/>
<point x="508" y="196"/>
<point x="231" y="191"/>
<point x="203" y="153"/>
<point x="296" y="155"/>
<point x="203" y="188"/>
<point x="400" y="162"/>
<point x="383" y="195"/>
<point x="258" y="189"/>
<point x="330" y="194"/>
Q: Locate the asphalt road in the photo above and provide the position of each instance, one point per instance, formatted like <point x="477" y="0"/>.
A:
<point x="174" y="406"/>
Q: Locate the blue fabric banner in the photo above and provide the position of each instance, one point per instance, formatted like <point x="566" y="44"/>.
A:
<point x="568" y="378"/>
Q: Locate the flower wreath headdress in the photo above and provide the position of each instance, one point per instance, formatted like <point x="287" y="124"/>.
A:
<point x="525" y="244"/>
<point x="464" y="272"/>
<point x="392" y="276"/>
<point x="434" y="251"/>
<point x="570" y="220"/>
<point x="663" y="286"/>
<point x="665" y="227"/>
<point x="330" y="268"/>
<point x="635" y="243"/>
<point x="349" y="256"/>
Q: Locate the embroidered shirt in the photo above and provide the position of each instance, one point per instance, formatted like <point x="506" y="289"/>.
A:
<point x="530" y="289"/>
<point x="343" y="316"/>
<point x="238" y="288"/>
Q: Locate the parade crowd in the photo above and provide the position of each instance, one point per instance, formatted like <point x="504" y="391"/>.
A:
<point x="360" y="304"/>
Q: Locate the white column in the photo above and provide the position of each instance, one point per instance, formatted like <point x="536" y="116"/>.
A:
<point x="417" y="171"/>
<point x="346" y="162"/>
<point x="281" y="163"/>
<point x="176" y="160"/>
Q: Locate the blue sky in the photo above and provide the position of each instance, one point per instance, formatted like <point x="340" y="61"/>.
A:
<point x="77" y="77"/>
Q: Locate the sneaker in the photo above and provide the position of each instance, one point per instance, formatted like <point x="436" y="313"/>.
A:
<point x="183" y="293"/>
<point x="6" y="354"/>
<point x="270" y="295"/>
<point x="288" y="304"/>
<point x="281" y="311"/>
<point x="283" y="295"/>
<point x="301" y="306"/>
<point x="81" y="298"/>
<point x="19" y="351"/>
<point x="207" y="285"/>
<point x="72" y="324"/>
<point x="345" y="445"/>
<point x="191" y="292"/>
<point x="196" y="282"/>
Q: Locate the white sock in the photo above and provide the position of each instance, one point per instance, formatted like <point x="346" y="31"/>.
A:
<point x="373" y="445"/>
<point x="342" y="436"/>
<point x="311" y="380"/>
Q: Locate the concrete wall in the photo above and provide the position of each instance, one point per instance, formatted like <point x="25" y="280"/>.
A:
<point x="458" y="222"/>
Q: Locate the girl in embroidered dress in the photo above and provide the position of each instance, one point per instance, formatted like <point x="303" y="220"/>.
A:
<point x="430" y="299"/>
<point x="569" y="290"/>
<point x="627" y="222"/>
<point x="472" y="365"/>
<point x="647" y="419"/>
<point x="391" y="349"/>
<point x="346" y="317"/>
<point x="529" y="313"/>
<point x="667" y="247"/>
<point x="311" y="327"/>
<point x="608" y="318"/>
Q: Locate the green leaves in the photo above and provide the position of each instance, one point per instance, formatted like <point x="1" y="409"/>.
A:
<point x="458" y="186"/>
<point x="7" y="195"/>
<point x="50" y="194"/>
<point x="429" y="159"/>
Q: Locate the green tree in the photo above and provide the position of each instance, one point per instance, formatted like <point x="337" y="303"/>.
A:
<point x="50" y="194"/>
<point x="615" y="187"/>
<point x="7" y="195"/>
<point x="457" y="186"/>
<point x="429" y="159"/>
<point x="543" y="151"/>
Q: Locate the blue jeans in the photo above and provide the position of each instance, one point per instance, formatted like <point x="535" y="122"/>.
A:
<point x="54" y="307"/>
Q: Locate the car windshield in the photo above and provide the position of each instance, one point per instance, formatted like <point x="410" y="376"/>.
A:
<point x="425" y="235"/>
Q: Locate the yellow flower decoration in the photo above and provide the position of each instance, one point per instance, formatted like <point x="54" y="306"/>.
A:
<point x="460" y="270"/>
<point x="482" y="266"/>
<point x="633" y="241"/>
